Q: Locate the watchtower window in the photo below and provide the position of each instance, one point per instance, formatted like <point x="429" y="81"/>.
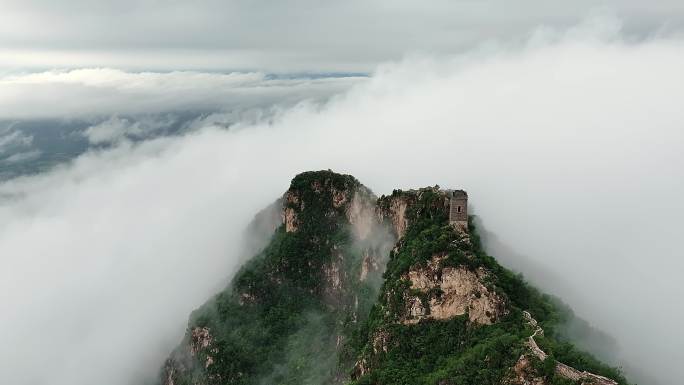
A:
<point x="458" y="209"/>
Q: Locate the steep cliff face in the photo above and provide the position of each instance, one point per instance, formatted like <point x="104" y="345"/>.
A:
<point x="449" y="292"/>
<point x="362" y="290"/>
<point x="289" y="313"/>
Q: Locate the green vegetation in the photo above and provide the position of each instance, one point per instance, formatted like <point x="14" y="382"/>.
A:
<point x="456" y="351"/>
<point x="281" y="322"/>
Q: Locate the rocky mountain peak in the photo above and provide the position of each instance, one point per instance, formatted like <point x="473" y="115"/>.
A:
<point x="360" y="290"/>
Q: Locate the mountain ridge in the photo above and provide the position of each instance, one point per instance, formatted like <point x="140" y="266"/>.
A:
<point x="356" y="289"/>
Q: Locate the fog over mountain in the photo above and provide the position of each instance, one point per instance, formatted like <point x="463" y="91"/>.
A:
<point x="53" y="116"/>
<point x="570" y="145"/>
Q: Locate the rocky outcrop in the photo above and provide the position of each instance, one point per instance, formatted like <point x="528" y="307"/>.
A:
<point x="199" y="349"/>
<point x="304" y="310"/>
<point x="356" y="202"/>
<point x="380" y="344"/>
<point x="169" y="374"/>
<point x="292" y="202"/>
<point x="395" y="213"/>
<point x="335" y="278"/>
<point x="201" y="342"/>
<point x="524" y="373"/>
<point x="360" y="212"/>
<point x="398" y="209"/>
<point x="445" y="292"/>
<point x="370" y="263"/>
<point x="440" y="292"/>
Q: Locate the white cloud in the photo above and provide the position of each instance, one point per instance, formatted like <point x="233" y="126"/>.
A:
<point x="571" y="152"/>
<point x="116" y="129"/>
<point x="22" y="156"/>
<point x="96" y="92"/>
<point x="111" y="130"/>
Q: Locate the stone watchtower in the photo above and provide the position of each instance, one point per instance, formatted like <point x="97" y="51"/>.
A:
<point x="458" y="209"/>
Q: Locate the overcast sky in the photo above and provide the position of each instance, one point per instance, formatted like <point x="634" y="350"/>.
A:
<point x="287" y="35"/>
<point x="563" y="121"/>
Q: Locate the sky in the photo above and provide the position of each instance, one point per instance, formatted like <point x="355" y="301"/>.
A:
<point x="563" y="123"/>
<point x="285" y="36"/>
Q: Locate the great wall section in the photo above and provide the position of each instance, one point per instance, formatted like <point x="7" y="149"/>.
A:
<point x="562" y="369"/>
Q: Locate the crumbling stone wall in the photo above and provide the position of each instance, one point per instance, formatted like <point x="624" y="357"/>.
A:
<point x="565" y="371"/>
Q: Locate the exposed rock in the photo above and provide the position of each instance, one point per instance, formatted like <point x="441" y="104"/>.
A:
<point x="380" y="341"/>
<point x="187" y="357"/>
<point x="339" y="197"/>
<point x="334" y="277"/>
<point x="357" y="202"/>
<point x="394" y="209"/>
<point x="246" y="298"/>
<point x="289" y="214"/>
<point x="380" y="344"/>
<point x="169" y="373"/>
<point x="316" y="186"/>
<point x="201" y="341"/>
<point x="524" y="373"/>
<point x="361" y="367"/>
<point x="369" y="263"/>
<point x="416" y="310"/>
<point x="397" y="214"/>
<point x="361" y="214"/>
<point x="337" y="277"/>
<point x="335" y="204"/>
<point x="450" y="292"/>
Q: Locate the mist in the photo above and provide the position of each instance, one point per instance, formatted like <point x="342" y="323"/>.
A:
<point x="569" y="146"/>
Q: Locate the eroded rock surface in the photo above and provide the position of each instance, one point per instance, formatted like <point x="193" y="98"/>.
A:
<point x="397" y="214"/>
<point x="361" y="214"/>
<point x="447" y="292"/>
<point x="289" y="212"/>
<point x="524" y="373"/>
<point x="199" y="348"/>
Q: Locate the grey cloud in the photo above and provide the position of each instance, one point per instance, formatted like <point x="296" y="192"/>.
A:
<point x="21" y="156"/>
<point x="11" y="139"/>
<point x="293" y="35"/>
<point x="570" y="149"/>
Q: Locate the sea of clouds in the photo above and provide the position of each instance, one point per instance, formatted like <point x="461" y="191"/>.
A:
<point x="570" y="146"/>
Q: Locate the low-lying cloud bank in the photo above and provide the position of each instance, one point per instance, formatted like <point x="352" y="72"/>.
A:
<point x="82" y="93"/>
<point x="54" y="116"/>
<point x="571" y="150"/>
